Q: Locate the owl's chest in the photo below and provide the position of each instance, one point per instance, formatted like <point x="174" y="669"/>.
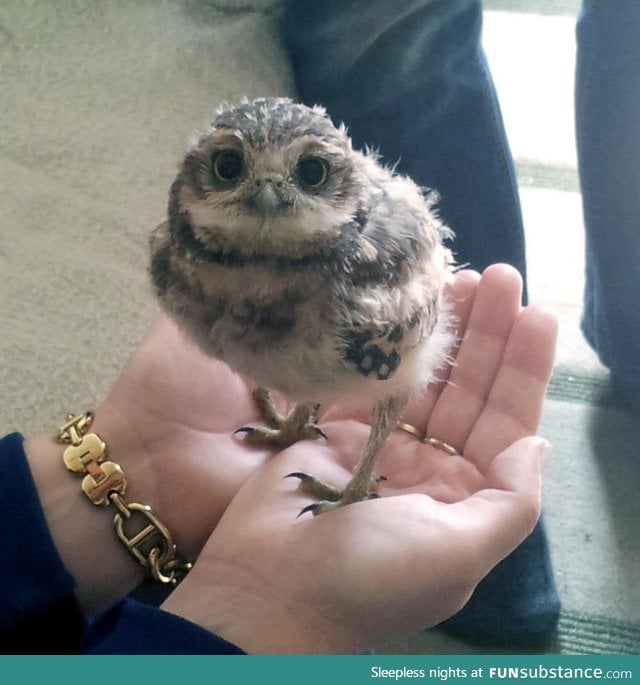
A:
<point x="273" y="326"/>
<point x="259" y="306"/>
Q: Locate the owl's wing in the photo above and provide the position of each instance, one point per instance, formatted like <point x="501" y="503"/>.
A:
<point x="396" y="270"/>
<point x="376" y="348"/>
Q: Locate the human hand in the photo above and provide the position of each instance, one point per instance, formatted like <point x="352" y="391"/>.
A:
<point x="341" y="582"/>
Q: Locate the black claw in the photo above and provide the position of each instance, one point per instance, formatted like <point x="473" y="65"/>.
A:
<point x="322" y="433"/>
<point x="298" y="474"/>
<point x="380" y="479"/>
<point x="245" y="429"/>
<point x="311" y="507"/>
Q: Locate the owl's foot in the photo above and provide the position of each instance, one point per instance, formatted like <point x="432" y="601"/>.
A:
<point x="282" y="431"/>
<point x="330" y="497"/>
<point x="364" y="483"/>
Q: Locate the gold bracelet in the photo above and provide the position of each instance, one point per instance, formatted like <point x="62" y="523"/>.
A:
<point x="151" y="545"/>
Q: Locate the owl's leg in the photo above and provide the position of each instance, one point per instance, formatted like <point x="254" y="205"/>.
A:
<point x="364" y="483"/>
<point x="282" y="431"/>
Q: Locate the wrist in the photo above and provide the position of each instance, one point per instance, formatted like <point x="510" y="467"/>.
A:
<point x="83" y="533"/>
<point x="243" y="609"/>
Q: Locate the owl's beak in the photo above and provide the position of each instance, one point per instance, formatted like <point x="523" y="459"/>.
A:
<point x="269" y="196"/>
<point x="268" y="199"/>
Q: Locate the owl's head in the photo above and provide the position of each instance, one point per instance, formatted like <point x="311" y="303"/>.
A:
<point x="268" y="172"/>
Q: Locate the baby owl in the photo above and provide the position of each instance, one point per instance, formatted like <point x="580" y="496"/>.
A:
<point x="310" y="268"/>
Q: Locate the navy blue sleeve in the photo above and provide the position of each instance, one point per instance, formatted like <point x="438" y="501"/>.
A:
<point x="131" y="627"/>
<point x="36" y="591"/>
<point x="38" y="610"/>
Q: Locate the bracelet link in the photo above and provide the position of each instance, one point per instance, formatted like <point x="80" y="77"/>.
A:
<point x="100" y="483"/>
<point x="89" y="448"/>
<point x="152" y="545"/>
<point x="74" y="428"/>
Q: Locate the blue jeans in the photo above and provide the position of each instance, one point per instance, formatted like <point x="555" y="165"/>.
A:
<point x="410" y="78"/>
<point x="608" y="137"/>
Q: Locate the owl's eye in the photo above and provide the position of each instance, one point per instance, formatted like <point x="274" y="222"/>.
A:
<point x="313" y="172"/>
<point x="228" y="166"/>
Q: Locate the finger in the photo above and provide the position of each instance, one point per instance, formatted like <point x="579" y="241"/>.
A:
<point x="502" y="514"/>
<point x="459" y="295"/>
<point x="513" y="407"/>
<point x="495" y="309"/>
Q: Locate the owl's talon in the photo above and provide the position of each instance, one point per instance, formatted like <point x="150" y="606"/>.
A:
<point x="321" y="433"/>
<point x="279" y="438"/>
<point x="282" y="431"/>
<point x="244" y="429"/>
<point x="316" y="488"/>
<point x="321" y="507"/>
<point x="310" y="508"/>
<point x="260" y="437"/>
<point x="318" y="508"/>
<point x="330" y="497"/>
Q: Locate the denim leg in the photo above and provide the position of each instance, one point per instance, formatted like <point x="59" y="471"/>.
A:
<point x="409" y="78"/>
<point x="608" y="139"/>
